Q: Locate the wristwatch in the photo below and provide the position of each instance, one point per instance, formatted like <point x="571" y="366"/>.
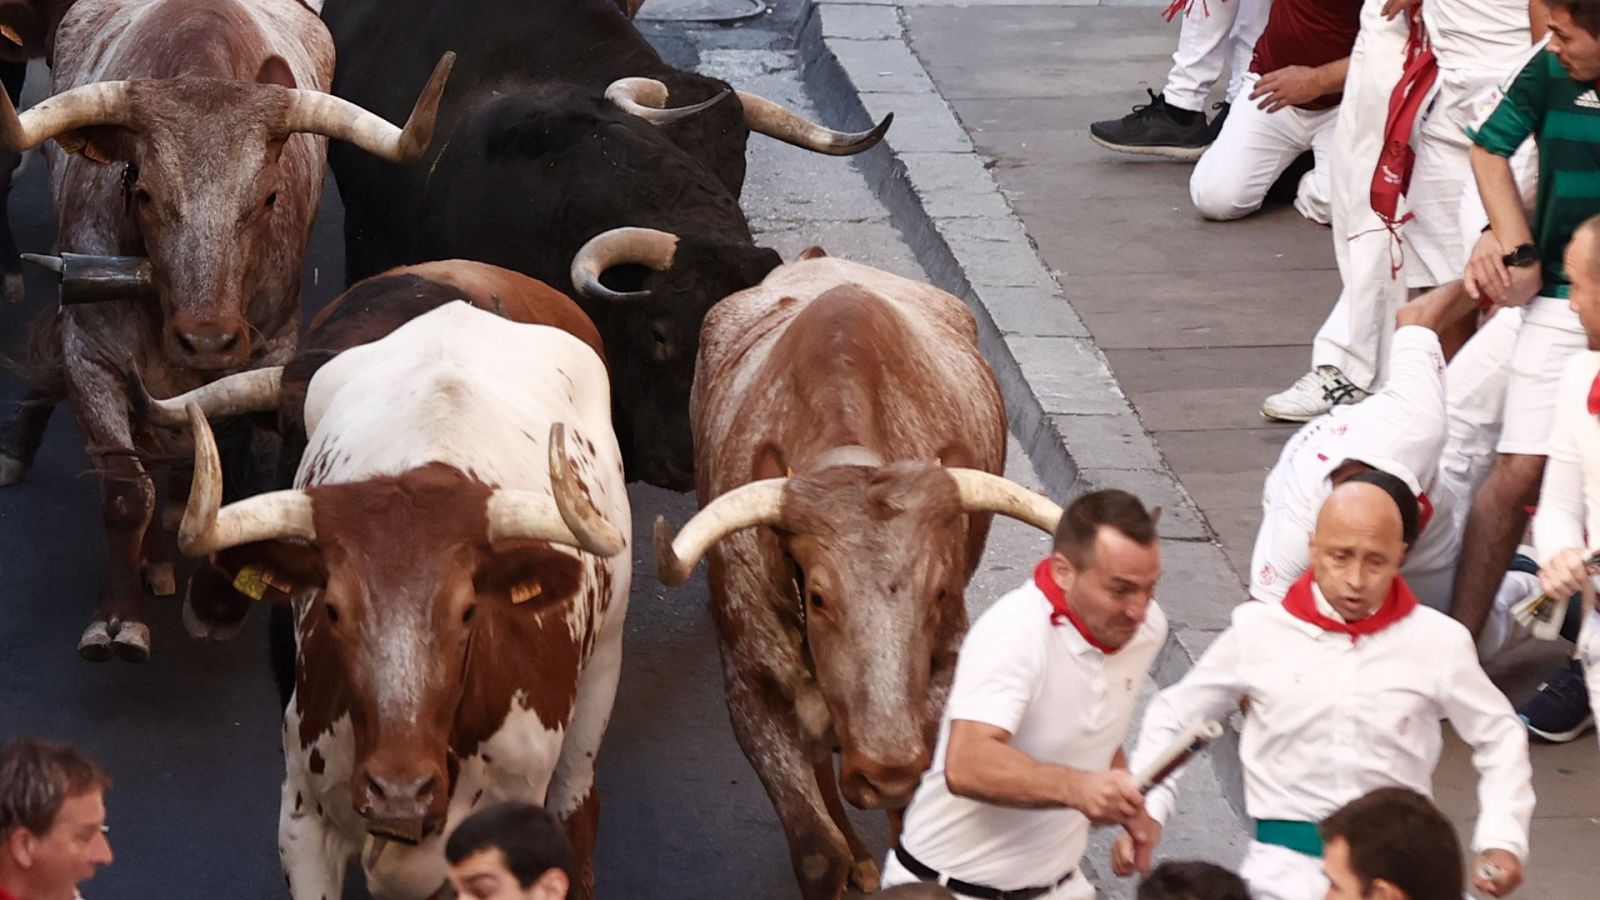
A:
<point x="1524" y="256"/>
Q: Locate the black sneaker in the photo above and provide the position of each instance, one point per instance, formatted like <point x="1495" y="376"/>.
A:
<point x="1559" y="712"/>
<point x="1152" y="130"/>
<point x="1215" y="128"/>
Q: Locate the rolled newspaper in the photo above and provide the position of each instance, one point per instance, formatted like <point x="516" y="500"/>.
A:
<point x="1189" y="741"/>
<point x="1542" y="614"/>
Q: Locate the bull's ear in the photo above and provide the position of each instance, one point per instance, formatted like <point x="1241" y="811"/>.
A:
<point x="955" y="456"/>
<point x="769" y="462"/>
<point x="275" y="70"/>
<point x="529" y="574"/>
<point x="104" y="144"/>
<point x="273" y="571"/>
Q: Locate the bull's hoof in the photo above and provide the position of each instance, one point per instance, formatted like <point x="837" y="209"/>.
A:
<point x="95" y="645"/>
<point x="864" y="876"/>
<point x="160" y="580"/>
<point x="12" y="470"/>
<point x="13" y="288"/>
<point x="132" y="642"/>
<point x="212" y="609"/>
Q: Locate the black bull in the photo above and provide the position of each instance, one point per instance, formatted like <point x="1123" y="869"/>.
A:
<point x="531" y="162"/>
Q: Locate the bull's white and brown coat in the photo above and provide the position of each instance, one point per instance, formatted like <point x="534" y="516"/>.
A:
<point x="825" y="354"/>
<point x="462" y="388"/>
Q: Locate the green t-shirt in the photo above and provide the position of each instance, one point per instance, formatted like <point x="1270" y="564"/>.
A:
<point x="1563" y="117"/>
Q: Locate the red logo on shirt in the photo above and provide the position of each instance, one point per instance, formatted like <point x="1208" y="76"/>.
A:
<point x="1268" y="574"/>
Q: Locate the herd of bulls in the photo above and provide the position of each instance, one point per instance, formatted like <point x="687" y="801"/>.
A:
<point x="553" y="291"/>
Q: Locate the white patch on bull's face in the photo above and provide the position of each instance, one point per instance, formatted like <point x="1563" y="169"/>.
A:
<point x="396" y="651"/>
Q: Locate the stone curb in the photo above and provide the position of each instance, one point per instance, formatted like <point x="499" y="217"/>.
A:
<point x="1065" y="405"/>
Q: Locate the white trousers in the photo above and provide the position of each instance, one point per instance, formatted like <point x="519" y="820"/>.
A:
<point x="1214" y="32"/>
<point x="1278" y="873"/>
<point x="1589" y="655"/>
<point x="1255" y="147"/>
<point x="1355" y="336"/>
<point x="1078" y="888"/>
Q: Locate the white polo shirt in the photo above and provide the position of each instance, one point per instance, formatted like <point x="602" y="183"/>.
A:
<point x="1332" y="719"/>
<point x="1064" y="702"/>
<point x="1569" y="501"/>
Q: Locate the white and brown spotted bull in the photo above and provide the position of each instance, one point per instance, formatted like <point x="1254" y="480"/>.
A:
<point x="849" y="442"/>
<point x="454" y="552"/>
<point x="195" y="136"/>
<point x="370" y="310"/>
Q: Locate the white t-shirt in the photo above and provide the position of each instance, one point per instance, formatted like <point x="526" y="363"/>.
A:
<point x="1569" y="501"/>
<point x="1489" y="36"/>
<point x="1064" y="703"/>
<point x="1400" y="430"/>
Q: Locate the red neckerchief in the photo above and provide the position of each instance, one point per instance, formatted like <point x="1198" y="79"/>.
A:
<point x="1302" y="604"/>
<point x="1058" y="602"/>
<point x="5" y="895"/>
<point x="1594" y="396"/>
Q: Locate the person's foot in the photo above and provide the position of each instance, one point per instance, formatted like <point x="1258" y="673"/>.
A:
<point x="1215" y="128"/>
<point x="1155" y="129"/>
<point x="1560" y="711"/>
<point x="1317" y="391"/>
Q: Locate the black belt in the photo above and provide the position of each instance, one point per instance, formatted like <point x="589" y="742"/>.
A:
<point x="928" y="873"/>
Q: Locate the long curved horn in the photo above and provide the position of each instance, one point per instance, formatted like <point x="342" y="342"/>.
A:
<point x="254" y="391"/>
<point x="776" y="121"/>
<point x="208" y="526"/>
<point x="567" y="518"/>
<point x="320" y="113"/>
<point x="101" y="103"/>
<point x="756" y="503"/>
<point x="647" y="99"/>
<point x="645" y="246"/>
<point x="983" y="492"/>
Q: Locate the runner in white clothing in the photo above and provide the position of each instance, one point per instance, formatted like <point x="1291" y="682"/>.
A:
<point x="1348" y="681"/>
<point x="1566" y="528"/>
<point x="1030" y="748"/>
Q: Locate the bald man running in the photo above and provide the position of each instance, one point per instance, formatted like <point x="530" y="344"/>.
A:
<point x="1348" y="681"/>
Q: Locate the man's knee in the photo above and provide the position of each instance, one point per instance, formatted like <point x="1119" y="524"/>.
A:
<point x="1220" y="199"/>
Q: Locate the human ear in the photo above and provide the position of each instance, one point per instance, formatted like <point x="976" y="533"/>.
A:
<point x="552" y="885"/>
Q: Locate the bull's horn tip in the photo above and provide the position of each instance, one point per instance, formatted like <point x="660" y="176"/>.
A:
<point x="669" y="569"/>
<point x="43" y="261"/>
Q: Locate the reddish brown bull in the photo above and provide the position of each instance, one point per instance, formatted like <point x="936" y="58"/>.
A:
<point x="192" y="128"/>
<point x="848" y="442"/>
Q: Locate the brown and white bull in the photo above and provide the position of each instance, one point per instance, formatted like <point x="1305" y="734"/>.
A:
<point x="846" y="412"/>
<point x="454" y="550"/>
<point x="194" y="128"/>
<point x="370" y="310"/>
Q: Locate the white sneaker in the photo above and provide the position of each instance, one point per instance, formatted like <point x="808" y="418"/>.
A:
<point x="1317" y="391"/>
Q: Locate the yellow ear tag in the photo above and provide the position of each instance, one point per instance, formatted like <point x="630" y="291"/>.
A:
<point x="11" y="34"/>
<point x="251" y="582"/>
<point x="522" y="593"/>
<point x="72" y="142"/>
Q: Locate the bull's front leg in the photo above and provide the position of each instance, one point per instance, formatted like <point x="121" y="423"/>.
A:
<point x="770" y="733"/>
<point x="22" y="434"/>
<point x="12" y="74"/>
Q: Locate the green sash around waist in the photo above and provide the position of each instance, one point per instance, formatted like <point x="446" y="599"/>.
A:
<point x="1301" y="837"/>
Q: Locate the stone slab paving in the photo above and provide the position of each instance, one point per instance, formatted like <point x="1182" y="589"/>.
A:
<point x="1135" y="341"/>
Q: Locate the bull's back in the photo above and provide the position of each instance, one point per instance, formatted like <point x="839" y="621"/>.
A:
<point x="469" y="389"/>
<point x="828" y="331"/>
<point x="513" y="295"/>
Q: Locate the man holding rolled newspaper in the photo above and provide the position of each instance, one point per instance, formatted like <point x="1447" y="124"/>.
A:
<point x="1566" y="529"/>
<point x="1348" y="681"/>
<point x="1030" y="747"/>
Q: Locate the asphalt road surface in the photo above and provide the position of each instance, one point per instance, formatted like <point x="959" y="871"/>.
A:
<point x="192" y="735"/>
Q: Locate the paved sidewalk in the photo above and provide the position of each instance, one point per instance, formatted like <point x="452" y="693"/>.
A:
<point x="1199" y="321"/>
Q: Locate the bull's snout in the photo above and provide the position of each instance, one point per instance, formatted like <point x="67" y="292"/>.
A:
<point x="875" y="784"/>
<point x="201" y="344"/>
<point x="402" y="806"/>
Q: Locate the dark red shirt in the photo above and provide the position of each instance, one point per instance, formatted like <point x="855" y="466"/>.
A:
<point x="1307" y="33"/>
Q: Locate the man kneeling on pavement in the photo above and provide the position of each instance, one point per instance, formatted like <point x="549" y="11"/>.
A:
<point x="1347" y="682"/>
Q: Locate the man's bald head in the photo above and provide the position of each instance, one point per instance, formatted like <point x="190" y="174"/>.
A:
<point x="1357" y="547"/>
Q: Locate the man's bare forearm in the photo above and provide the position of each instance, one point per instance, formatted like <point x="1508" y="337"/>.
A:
<point x="1501" y="199"/>
<point x="993" y="771"/>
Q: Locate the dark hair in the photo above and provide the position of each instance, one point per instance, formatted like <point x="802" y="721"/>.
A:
<point x="1404" y="500"/>
<point x="530" y="837"/>
<point x="1398" y="835"/>
<point x="1115" y="509"/>
<point x="1192" y="880"/>
<point x="37" y="777"/>
<point x="1585" y="13"/>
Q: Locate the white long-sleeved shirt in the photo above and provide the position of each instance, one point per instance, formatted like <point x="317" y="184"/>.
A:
<point x="1569" y="500"/>
<point x="1332" y="719"/>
